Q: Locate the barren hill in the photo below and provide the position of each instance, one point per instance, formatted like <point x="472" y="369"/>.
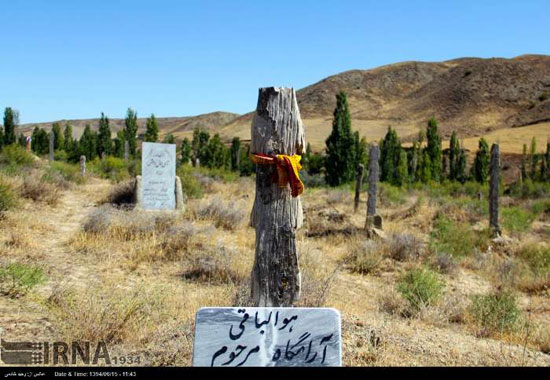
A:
<point x="175" y="125"/>
<point x="473" y="96"/>
<point x="470" y="95"/>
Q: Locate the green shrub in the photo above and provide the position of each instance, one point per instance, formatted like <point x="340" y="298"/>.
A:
<point x="497" y="312"/>
<point x="530" y="189"/>
<point x="14" y="157"/>
<point x="541" y="207"/>
<point x="516" y="219"/>
<point x="112" y="168"/>
<point x="390" y="194"/>
<point x="420" y="287"/>
<point x="455" y="238"/>
<point x="537" y="257"/>
<point x="17" y="279"/>
<point x="191" y="186"/>
<point x="220" y="174"/>
<point x="8" y="197"/>
<point x="69" y="172"/>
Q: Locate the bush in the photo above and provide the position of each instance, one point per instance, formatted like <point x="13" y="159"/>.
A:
<point x="69" y="172"/>
<point x="224" y="214"/>
<point x="444" y="263"/>
<point x="420" y="287"/>
<point x="404" y="247"/>
<point x="190" y="184"/>
<point x="17" y="279"/>
<point x="455" y="238"/>
<point x="364" y="256"/>
<point x="123" y="193"/>
<point x="214" y="265"/>
<point x="14" y="157"/>
<point x="391" y="195"/>
<point x="537" y="256"/>
<point x="497" y="312"/>
<point x="37" y="189"/>
<point x="8" y="197"/>
<point x="516" y="219"/>
<point x="112" y="168"/>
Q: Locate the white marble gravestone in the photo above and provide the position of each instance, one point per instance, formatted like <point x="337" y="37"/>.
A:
<point x="267" y="337"/>
<point x="158" y="172"/>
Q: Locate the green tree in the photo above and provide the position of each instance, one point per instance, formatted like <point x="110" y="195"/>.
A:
<point x="88" y="143"/>
<point x="390" y="150"/>
<point x="130" y="131"/>
<point x="434" y="149"/>
<point x="169" y="139"/>
<point x="104" y="142"/>
<point x="402" y="170"/>
<point x="199" y="144"/>
<point x="152" y="129"/>
<point x="11" y="119"/>
<point x="215" y="156"/>
<point x="425" y="173"/>
<point x="454" y="154"/>
<point x="524" y="162"/>
<point x="22" y="140"/>
<point x="118" y="144"/>
<point x="57" y="136"/>
<point x="40" y="141"/>
<point x="534" y="157"/>
<point x="234" y="152"/>
<point x="340" y="161"/>
<point x="361" y="150"/>
<point x="461" y="166"/>
<point x="547" y="159"/>
<point x="185" y="151"/>
<point x="68" y="140"/>
<point x="481" y="162"/>
<point x="246" y="167"/>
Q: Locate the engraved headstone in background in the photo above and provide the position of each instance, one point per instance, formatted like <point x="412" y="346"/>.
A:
<point x="267" y="337"/>
<point x="158" y="171"/>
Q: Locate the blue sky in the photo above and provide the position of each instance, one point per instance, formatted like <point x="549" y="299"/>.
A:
<point x="75" y="59"/>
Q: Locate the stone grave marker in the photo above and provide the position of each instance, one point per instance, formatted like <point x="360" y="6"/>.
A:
<point x="158" y="176"/>
<point x="267" y="337"/>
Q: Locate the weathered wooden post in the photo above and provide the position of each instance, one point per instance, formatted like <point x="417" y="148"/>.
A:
<point x="276" y="130"/>
<point x="493" y="191"/>
<point x="126" y="150"/>
<point x="52" y="140"/>
<point x="359" y="180"/>
<point x="372" y="218"/>
<point x="83" y="165"/>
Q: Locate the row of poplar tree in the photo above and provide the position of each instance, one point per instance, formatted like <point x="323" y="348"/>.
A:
<point x="425" y="161"/>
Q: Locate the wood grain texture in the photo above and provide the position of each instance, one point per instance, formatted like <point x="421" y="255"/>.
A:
<point x="276" y="129"/>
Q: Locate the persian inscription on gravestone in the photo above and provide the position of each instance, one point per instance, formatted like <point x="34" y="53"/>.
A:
<point x="267" y="337"/>
<point x="158" y="176"/>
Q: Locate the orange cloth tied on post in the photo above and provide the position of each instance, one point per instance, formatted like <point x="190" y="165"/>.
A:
<point x="287" y="169"/>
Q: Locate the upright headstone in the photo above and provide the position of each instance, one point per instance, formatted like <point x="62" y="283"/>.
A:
<point x="28" y="140"/>
<point x="52" y="140"/>
<point x="126" y="150"/>
<point x="493" y="191"/>
<point x="267" y="337"/>
<point x="82" y="165"/>
<point x="359" y="180"/>
<point x="372" y="218"/>
<point x="158" y="176"/>
<point x="276" y="129"/>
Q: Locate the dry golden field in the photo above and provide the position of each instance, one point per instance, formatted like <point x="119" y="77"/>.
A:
<point x="77" y="268"/>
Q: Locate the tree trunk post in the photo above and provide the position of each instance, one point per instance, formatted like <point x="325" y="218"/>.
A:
<point x="237" y="158"/>
<point x="374" y="157"/>
<point x="359" y="180"/>
<point x="52" y="141"/>
<point x="493" y="191"/>
<point x="82" y="165"/>
<point x="126" y="150"/>
<point x="276" y="129"/>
